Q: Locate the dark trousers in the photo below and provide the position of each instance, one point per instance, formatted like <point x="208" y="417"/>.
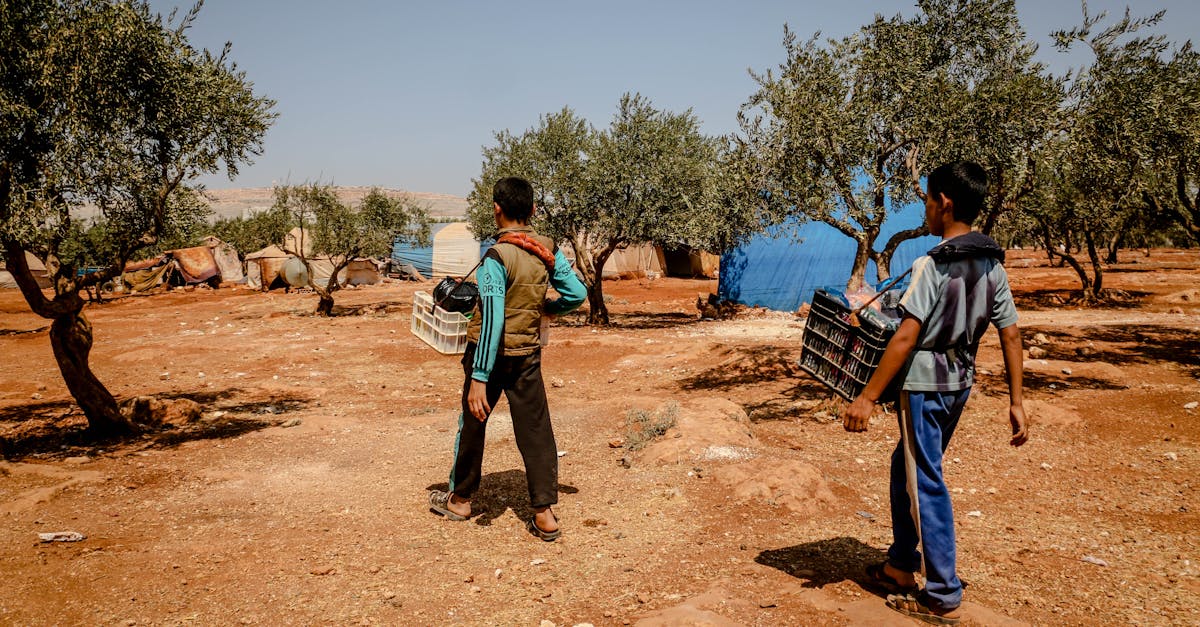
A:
<point x="520" y="378"/>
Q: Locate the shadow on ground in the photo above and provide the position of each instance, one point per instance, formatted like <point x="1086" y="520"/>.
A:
<point x="500" y="492"/>
<point x="824" y="562"/>
<point x="1124" y="344"/>
<point x="58" y="429"/>
<point x="1050" y="299"/>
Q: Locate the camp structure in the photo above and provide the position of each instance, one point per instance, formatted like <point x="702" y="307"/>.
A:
<point x="453" y="252"/>
<point x="635" y="262"/>
<point x="227" y="259"/>
<point x="782" y="268"/>
<point x="183" y="266"/>
<point x="682" y="261"/>
<point x="36" y="268"/>
<point x="273" y="268"/>
<point x="263" y="268"/>
<point x="364" y="271"/>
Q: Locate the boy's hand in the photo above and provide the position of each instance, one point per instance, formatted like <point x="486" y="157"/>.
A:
<point x="857" y="415"/>
<point x="477" y="400"/>
<point x="1020" y="428"/>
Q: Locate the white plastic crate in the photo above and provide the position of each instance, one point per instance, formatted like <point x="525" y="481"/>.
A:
<point x="445" y="331"/>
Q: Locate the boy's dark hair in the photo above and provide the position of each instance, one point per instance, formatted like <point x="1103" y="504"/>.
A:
<point x="963" y="182"/>
<point x="515" y="197"/>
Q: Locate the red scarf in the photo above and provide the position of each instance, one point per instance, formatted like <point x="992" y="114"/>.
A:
<point x="530" y="245"/>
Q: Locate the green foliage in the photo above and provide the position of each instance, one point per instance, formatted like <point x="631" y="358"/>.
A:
<point x="839" y="132"/>
<point x="650" y="177"/>
<point x="341" y="233"/>
<point x="643" y="427"/>
<point x="255" y="232"/>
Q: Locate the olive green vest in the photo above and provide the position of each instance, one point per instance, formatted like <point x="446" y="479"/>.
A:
<point x="524" y="296"/>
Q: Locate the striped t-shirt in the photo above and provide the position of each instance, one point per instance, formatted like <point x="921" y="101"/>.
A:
<point x="954" y="301"/>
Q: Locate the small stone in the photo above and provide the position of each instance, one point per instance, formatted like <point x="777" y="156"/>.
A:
<point x="469" y="579"/>
<point x="561" y="453"/>
<point x="547" y="623"/>
<point x="1066" y="371"/>
<point x="476" y="589"/>
<point x="583" y="625"/>
<point x="200" y="375"/>
<point x="1171" y="455"/>
<point x="35" y="396"/>
<point x="1040" y="338"/>
<point x="1046" y="466"/>
<point x="499" y="572"/>
<point x="373" y="570"/>
<point x="557" y="382"/>
<point x="1093" y="560"/>
<point x="292" y="422"/>
<point x="164" y="376"/>
<point x="616" y="443"/>
<point x="643" y="598"/>
<point x="867" y="515"/>
<point x="389" y="595"/>
<point x="1191" y="405"/>
<point x="320" y="572"/>
<point x="1036" y="352"/>
<point x="975" y="514"/>
<point x="765" y="603"/>
<point x="537" y="562"/>
<point x="78" y="460"/>
<point x="991" y="490"/>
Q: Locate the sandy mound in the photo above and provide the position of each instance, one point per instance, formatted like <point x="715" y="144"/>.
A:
<point x="697" y="610"/>
<point x="707" y="429"/>
<point x="1043" y="413"/>
<point x="788" y="483"/>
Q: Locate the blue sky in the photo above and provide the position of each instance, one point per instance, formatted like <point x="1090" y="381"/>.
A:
<point x="404" y="94"/>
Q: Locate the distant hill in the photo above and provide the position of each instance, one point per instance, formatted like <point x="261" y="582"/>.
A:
<point x="228" y="203"/>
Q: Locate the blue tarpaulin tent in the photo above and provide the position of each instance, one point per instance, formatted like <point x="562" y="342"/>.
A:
<point x="453" y="253"/>
<point x="781" y="269"/>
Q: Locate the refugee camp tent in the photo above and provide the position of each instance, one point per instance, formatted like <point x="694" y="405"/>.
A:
<point x="782" y="269"/>
<point x="183" y="266"/>
<point x="454" y="251"/>
<point x="36" y="268"/>
<point x="364" y="272"/>
<point x="635" y="262"/>
<point x="263" y="266"/>
<point x="227" y="259"/>
<point x="683" y="261"/>
<point x="298" y="238"/>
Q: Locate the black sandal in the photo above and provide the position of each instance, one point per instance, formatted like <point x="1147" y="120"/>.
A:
<point x="439" y="503"/>
<point x="545" y="536"/>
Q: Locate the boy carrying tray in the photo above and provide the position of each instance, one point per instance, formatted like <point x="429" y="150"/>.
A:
<point x="956" y="290"/>
<point x="504" y="355"/>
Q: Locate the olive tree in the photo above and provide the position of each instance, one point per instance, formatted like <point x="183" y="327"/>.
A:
<point x="650" y="177"/>
<point x="340" y="233"/>
<point x="840" y="131"/>
<point x="103" y="103"/>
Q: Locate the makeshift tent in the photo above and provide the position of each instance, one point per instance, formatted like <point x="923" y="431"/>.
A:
<point x="454" y="251"/>
<point x="36" y="268"/>
<point x="635" y="262"/>
<point x="263" y="266"/>
<point x="782" y="269"/>
<point x="227" y="260"/>
<point x="690" y="262"/>
<point x="364" y="272"/>
<point x="298" y="238"/>
<point x="183" y="266"/>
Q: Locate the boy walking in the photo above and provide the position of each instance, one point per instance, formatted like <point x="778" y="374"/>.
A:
<point x="504" y="355"/>
<point x="956" y="290"/>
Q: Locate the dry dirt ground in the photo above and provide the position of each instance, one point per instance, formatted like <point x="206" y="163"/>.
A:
<point x="299" y="497"/>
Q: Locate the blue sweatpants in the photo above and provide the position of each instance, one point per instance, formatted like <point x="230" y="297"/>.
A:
<point x="921" y="509"/>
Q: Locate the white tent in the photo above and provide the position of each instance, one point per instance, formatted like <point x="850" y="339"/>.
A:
<point x="455" y="250"/>
<point x="36" y="267"/>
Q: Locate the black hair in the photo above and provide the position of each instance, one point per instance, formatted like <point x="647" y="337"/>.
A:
<point x="963" y="182"/>
<point x="515" y="197"/>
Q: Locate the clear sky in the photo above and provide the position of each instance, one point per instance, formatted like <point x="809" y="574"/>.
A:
<point x="404" y="94"/>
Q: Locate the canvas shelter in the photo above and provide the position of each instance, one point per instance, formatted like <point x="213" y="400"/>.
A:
<point x="227" y="260"/>
<point x="36" y="268"/>
<point x="683" y="261"/>
<point x="453" y="252"/>
<point x="781" y="269"/>
<point x="183" y="266"/>
<point x="635" y="262"/>
<point x="263" y="267"/>
<point x="364" y="271"/>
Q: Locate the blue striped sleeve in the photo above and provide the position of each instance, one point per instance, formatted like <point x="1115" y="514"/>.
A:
<point x="570" y="289"/>
<point x="491" y="278"/>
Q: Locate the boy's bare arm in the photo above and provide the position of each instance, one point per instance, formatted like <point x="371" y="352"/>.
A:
<point x="897" y="352"/>
<point x="1010" y="344"/>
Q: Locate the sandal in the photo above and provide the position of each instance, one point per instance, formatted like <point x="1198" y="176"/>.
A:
<point x="439" y="503"/>
<point x="877" y="576"/>
<point x="545" y="536"/>
<point x="917" y="606"/>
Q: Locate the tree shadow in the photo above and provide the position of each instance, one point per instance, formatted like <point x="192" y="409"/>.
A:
<point x="58" y="429"/>
<point x="5" y="332"/>
<point x="997" y="385"/>
<point x="1041" y="300"/>
<point x="1134" y="344"/>
<point x="744" y="366"/>
<point x="825" y="562"/>
<point x="783" y="406"/>
<point x="499" y="492"/>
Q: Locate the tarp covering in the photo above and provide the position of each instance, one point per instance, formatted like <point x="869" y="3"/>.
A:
<point x="196" y="264"/>
<point x="780" y="273"/>
<point x="453" y="253"/>
<point x="144" y="279"/>
<point x="263" y="266"/>
<point x="227" y="260"/>
<point x="635" y="261"/>
<point x="362" y="272"/>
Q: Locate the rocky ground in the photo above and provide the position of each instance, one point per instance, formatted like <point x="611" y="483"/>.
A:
<point x="298" y="494"/>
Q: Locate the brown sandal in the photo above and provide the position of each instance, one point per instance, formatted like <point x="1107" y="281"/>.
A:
<point x="917" y="606"/>
<point x="877" y="576"/>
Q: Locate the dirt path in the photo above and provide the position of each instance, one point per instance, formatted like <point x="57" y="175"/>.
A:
<point x="298" y="498"/>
